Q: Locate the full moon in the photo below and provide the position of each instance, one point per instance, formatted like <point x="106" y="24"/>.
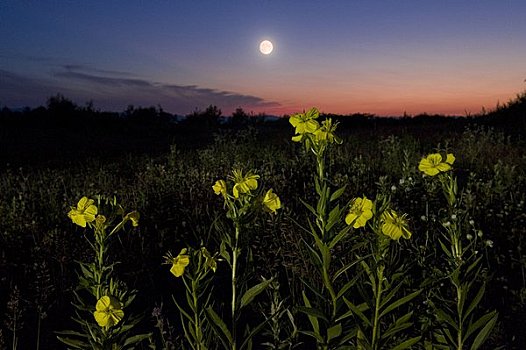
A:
<point x="266" y="47"/>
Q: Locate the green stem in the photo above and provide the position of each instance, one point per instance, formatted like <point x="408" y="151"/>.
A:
<point x="378" y="296"/>
<point x="235" y="254"/>
<point x="459" y="310"/>
<point x="197" y="324"/>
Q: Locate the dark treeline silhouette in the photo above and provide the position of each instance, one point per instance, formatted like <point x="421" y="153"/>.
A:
<point x="63" y="130"/>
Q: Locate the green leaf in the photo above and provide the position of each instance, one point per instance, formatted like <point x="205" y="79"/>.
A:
<point x="224" y="253"/>
<point x="483" y="320"/>
<point x="399" y="303"/>
<point x="358" y="311"/>
<point x="313" y="316"/>
<point x="407" y="344"/>
<point x="339" y="236"/>
<point x="334" y="217"/>
<point x="308" y="206"/>
<point x="337" y="194"/>
<point x="136" y="339"/>
<point x="254" y="292"/>
<point x="219" y="327"/>
<point x="475" y="302"/>
<point x="334" y="332"/>
<point x="484" y="333"/>
<point x="318" y="337"/>
<point x="444" y="317"/>
<point x="75" y="343"/>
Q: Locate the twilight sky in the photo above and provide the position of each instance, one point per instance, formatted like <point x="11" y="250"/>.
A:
<point x="383" y="57"/>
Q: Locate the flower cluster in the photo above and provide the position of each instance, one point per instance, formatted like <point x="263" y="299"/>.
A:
<point x="435" y="163"/>
<point x="308" y="129"/>
<point x="392" y="225"/>
<point x="87" y="213"/>
<point x="243" y="190"/>
<point x="181" y="261"/>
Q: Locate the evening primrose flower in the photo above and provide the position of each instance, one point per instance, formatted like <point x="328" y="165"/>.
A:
<point x="271" y="201"/>
<point x="84" y="212"/>
<point x="326" y="132"/>
<point x="395" y="226"/>
<point x="108" y="311"/>
<point x="220" y="187"/>
<point x="360" y="211"/>
<point x="435" y="163"/>
<point x="179" y="263"/>
<point x="305" y="123"/>
<point x="134" y="217"/>
<point x="210" y="261"/>
<point x="243" y="183"/>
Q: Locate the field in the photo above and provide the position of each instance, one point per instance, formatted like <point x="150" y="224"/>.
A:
<point x="310" y="279"/>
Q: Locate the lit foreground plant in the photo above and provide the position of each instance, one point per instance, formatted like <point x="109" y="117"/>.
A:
<point x="461" y="325"/>
<point x="101" y="301"/>
<point x="385" y="277"/>
<point x="242" y="201"/>
<point x="194" y="266"/>
<point x="337" y="323"/>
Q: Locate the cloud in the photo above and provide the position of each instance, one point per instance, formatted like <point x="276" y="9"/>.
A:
<point x="180" y="99"/>
<point x="115" y="90"/>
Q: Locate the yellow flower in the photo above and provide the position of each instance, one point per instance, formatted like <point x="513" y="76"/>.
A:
<point x="243" y="183"/>
<point x="271" y="201"/>
<point x="84" y="212"/>
<point x="395" y="226"/>
<point x="360" y="211"/>
<point x="100" y="220"/>
<point x="134" y="216"/>
<point x="305" y="122"/>
<point x="179" y="263"/>
<point x="108" y="311"/>
<point x="220" y="187"/>
<point x="326" y="132"/>
<point x="435" y="163"/>
<point x="210" y="261"/>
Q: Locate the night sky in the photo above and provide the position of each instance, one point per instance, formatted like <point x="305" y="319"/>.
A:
<point x="383" y="57"/>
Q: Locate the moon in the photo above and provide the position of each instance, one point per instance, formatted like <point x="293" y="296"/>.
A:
<point x="266" y="47"/>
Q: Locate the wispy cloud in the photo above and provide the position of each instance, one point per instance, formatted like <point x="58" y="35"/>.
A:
<point x="115" y="90"/>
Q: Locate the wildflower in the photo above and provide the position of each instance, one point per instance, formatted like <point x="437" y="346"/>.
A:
<point x="84" y="212"/>
<point x="243" y="183"/>
<point x="220" y="187"/>
<point x="326" y="132"/>
<point x="453" y="217"/>
<point x="305" y="122"/>
<point x="469" y="236"/>
<point x="210" y="261"/>
<point x="393" y="188"/>
<point x="134" y="217"/>
<point x="435" y="163"/>
<point x="395" y="226"/>
<point x="108" y="311"/>
<point x="100" y="220"/>
<point x="271" y="201"/>
<point x="489" y="243"/>
<point x="179" y="263"/>
<point x="360" y="211"/>
<point x="471" y="222"/>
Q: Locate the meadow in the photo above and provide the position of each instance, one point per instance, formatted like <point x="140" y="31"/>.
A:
<point x="448" y="273"/>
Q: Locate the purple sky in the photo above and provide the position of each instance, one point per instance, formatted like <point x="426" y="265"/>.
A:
<point x="385" y="57"/>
